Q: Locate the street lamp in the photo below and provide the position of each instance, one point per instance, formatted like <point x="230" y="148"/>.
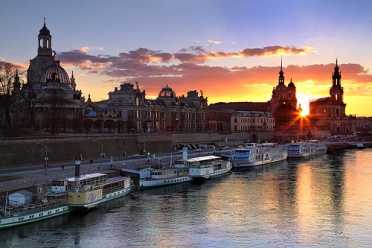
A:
<point x="102" y="154"/>
<point x="46" y="154"/>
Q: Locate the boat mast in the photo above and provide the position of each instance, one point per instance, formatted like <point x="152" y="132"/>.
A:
<point x="170" y="163"/>
<point x="6" y="201"/>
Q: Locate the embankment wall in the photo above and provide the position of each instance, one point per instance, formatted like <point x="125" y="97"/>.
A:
<point x="21" y="152"/>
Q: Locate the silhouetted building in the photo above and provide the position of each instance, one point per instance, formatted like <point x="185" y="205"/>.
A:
<point x="284" y="104"/>
<point x="328" y="113"/>
<point x="49" y="100"/>
<point x="127" y="110"/>
<point x="252" y="121"/>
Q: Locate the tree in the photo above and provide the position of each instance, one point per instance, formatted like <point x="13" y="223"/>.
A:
<point x="56" y="101"/>
<point x="30" y="97"/>
<point x="7" y="74"/>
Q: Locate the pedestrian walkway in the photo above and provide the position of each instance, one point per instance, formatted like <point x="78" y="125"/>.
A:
<point x="31" y="178"/>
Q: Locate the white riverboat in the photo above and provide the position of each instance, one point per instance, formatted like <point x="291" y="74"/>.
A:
<point x="44" y="206"/>
<point x="253" y="154"/>
<point x="165" y="175"/>
<point x="318" y="147"/>
<point x="152" y="178"/>
<point x="63" y="196"/>
<point x="306" y="149"/>
<point x="87" y="191"/>
<point x="206" y="167"/>
<point x="360" y="146"/>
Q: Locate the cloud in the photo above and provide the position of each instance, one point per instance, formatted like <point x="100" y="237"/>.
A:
<point x="276" y="50"/>
<point x="193" y="54"/>
<point x="16" y="65"/>
<point x="215" y="42"/>
<point x="186" y="70"/>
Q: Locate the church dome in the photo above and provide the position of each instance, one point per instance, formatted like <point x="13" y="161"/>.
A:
<point x="56" y="73"/>
<point x="281" y="87"/>
<point x="291" y="85"/>
<point x="167" y="92"/>
<point x="44" y="31"/>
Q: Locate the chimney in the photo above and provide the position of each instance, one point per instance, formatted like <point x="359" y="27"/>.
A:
<point x="184" y="153"/>
<point x="77" y="168"/>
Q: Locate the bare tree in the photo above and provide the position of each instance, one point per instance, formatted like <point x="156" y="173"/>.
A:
<point x="31" y="95"/>
<point x="7" y="75"/>
<point x="56" y="101"/>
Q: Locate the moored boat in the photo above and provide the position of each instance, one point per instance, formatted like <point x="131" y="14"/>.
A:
<point x="306" y="149"/>
<point x="152" y="178"/>
<point x="87" y="191"/>
<point x="318" y="147"/>
<point x="205" y="167"/>
<point x="49" y="206"/>
<point x="360" y="146"/>
<point x="252" y="154"/>
<point x="63" y="196"/>
<point x="299" y="149"/>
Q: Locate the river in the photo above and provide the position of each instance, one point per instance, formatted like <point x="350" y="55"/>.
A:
<point x="324" y="201"/>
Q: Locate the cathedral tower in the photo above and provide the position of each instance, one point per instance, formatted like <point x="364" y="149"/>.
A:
<point x="45" y="41"/>
<point x="43" y="59"/>
<point x="336" y="91"/>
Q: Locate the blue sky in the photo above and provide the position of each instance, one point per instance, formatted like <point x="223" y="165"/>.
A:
<point x="228" y="49"/>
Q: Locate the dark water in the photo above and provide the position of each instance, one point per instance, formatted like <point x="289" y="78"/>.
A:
<point x="319" y="202"/>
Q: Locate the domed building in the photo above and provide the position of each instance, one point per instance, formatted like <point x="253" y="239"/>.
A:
<point x="283" y="97"/>
<point x="329" y="113"/>
<point x="49" y="100"/>
<point x="128" y="110"/>
<point x="284" y="104"/>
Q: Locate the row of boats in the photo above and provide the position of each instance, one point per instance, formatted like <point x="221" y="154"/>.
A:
<point x="59" y="197"/>
<point x="87" y="191"/>
<point x="248" y="155"/>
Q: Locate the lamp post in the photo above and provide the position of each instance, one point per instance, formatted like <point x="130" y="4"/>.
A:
<point x="46" y="154"/>
<point x="101" y="150"/>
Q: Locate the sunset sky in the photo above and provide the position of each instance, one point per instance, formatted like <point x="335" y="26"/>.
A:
<point x="228" y="49"/>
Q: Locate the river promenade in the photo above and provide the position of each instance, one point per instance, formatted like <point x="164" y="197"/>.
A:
<point x="27" y="177"/>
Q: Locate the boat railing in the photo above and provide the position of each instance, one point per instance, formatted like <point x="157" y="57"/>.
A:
<point x="31" y="208"/>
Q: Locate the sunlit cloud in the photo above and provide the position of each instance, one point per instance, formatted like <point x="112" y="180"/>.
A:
<point x="187" y="70"/>
<point x="215" y="42"/>
<point x="193" y="54"/>
<point x="87" y="48"/>
<point x="17" y="65"/>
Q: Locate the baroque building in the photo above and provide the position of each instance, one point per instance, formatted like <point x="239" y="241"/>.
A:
<point x="282" y="107"/>
<point x="328" y="113"/>
<point x="128" y="110"/>
<point x="49" y="99"/>
<point x="284" y="103"/>
<point x="252" y="121"/>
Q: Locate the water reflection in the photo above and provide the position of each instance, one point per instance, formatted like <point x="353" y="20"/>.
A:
<point x="322" y="201"/>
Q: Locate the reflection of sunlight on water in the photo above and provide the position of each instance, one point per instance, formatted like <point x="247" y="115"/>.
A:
<point x="322" y="201"/>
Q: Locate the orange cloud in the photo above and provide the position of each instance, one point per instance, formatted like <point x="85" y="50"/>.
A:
<point x="185" y="70"/>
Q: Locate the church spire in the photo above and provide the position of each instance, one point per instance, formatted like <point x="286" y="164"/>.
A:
<point x="281" y="73"/>
<point x="45" y="41"/>
<point x="336" y="75"/>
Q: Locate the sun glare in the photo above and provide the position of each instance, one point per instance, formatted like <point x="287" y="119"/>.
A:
<point x="302" y="114"/>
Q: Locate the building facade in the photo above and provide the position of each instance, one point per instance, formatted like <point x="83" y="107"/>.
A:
<point x="49" y="99"/>
<point x="128" y="110"/>
<point x="328" y="113"/>
<point x="252" y="121"/>
<point x="284" y="104"/>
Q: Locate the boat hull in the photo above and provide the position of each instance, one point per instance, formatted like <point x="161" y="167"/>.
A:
<point x="241" y="164"/>
<point x="148" y="184"/>
<point x="38" y="215"/>
<point x="207" y="173"/>
<point x="255" y="155"/>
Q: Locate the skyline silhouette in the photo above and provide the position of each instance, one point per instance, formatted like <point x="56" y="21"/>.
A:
<point x="230" y="51"/>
